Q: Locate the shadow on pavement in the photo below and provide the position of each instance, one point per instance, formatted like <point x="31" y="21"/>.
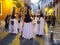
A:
<point x="28" y="42"/>
<point x="55" y="43"/>
<point x="8" y="39"/>
<point x="51" y="42"/>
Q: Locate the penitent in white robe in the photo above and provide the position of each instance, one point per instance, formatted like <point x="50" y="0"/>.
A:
<point x="37" y="26"/>
<point x="13" y="28"/>
<point x="41" y="31"/>
<point x="28" y="30"/>
<point x="20" y="25"/>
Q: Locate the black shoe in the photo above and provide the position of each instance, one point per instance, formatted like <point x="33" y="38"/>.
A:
<point x="40" y="35"/>
<point x="31" y="39"/>
<point x="21" y="36"/>
<point x="37" y="35"/>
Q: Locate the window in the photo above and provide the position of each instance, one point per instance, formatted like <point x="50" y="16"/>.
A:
<point x="14" y="0"/>
<point x="56" y="1"/>
<point x="0" y="7"/>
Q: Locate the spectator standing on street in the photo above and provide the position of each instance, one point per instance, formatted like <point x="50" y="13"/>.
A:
<point x="53" y="20"/>
<point x="7" y="21"/>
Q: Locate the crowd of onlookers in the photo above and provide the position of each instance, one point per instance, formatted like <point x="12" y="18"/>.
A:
<point x="50" y="20"/>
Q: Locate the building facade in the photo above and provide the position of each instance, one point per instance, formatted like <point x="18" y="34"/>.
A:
<point x="56" y="9"/>
<point x="6" y="8"/>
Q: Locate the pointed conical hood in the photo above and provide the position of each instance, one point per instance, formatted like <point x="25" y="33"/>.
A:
<point x="27" y="17"/>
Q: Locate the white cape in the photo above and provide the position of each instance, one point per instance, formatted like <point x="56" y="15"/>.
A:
<point x="37" y="26"/>
<point x="41" y="31"/>
<point x="28" y="30"/>
<point x="13" y="28"/>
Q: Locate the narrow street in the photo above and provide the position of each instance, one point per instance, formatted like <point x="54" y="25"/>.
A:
<point x="13" y="39"/>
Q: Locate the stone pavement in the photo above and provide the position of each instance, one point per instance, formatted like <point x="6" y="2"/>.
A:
<point x="56" y="34"/>
<point x="11" y="39"/>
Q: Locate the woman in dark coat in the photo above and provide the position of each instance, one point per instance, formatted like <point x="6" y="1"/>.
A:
<point x="6" y="22"/>
<point x="49" y="21"/>
<point x="53" y="20"/>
